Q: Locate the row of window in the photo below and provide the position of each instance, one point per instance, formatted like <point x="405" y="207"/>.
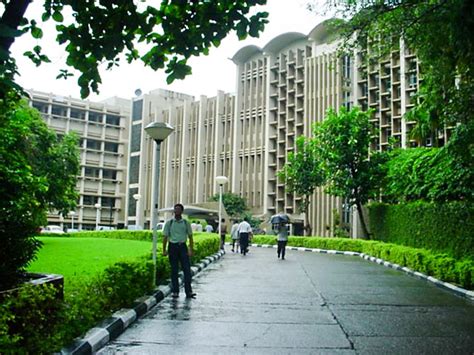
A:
<point x="88" y="200"/>
<point x="92" y="116"/>
<point x="95" y="173"/>
<point x="97" y="145"/>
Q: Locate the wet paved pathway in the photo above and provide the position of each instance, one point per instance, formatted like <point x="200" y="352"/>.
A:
<point x="308" y="304"/>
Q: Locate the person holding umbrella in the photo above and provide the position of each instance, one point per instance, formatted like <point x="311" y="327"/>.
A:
<point x="282" y="239"/>
<point x="279" y="222"/>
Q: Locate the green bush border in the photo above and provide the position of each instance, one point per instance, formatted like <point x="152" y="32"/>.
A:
<point x="441" y="266"/>
<point x="440" y="227"/>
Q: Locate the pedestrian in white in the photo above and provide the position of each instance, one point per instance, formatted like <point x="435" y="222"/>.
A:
<point x="245" y="234"/>
<point x="209" y="229"/>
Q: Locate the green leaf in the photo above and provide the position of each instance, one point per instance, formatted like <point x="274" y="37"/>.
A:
<point x="36" y="32"/>
<point x="58" y="16"/>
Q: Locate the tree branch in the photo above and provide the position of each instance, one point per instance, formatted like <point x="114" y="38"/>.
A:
<point x="12" y="16"/>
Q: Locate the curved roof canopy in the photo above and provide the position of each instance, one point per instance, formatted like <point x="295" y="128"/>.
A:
<point x="243" y="54"/>
<point x="324" y="32"/>
<point x="282" y="41"/>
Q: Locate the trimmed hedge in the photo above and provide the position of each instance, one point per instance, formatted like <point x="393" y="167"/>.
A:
<point x="145" y="235"/>
<point x="441" y="266"/>
<point x="34" y="322"/>
<point x="445" y="228"/>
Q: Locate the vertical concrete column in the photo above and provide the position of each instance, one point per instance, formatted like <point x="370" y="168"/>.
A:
<point x="169" y="184"/>
<point x="236" y="132"/>
<point x="269" y="60"/>
<point x="219" y="124"/>
<point x="403" y="94"/>
<point x="200" y="150"/>
<point x="185" y="149"/>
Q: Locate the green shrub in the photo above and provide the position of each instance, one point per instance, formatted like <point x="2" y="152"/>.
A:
<point x="31" y="320"/>
<point x="37" y="173"/>
<point x="145" y="235"/>
<point x="444" y="228"/>
<point x="428" y="174"/>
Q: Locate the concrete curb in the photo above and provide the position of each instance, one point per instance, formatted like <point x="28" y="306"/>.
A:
<point x="459" y="291"/>
<point x="112" y="327"/>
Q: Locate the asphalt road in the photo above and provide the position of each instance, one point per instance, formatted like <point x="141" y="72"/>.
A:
<point x="307" y="304"/>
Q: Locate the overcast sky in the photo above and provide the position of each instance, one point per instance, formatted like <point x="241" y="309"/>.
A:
<point x="210" y="73"/>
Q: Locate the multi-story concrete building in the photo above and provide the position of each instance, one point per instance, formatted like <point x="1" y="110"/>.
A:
<point x="103" y="131"/>
<point x="281" y="90"/>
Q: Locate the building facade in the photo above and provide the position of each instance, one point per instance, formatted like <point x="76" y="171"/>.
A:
<point x="282" y="89"/>
<point x="103" y="131"/>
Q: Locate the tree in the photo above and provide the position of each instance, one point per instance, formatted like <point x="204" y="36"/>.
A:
<point x="342" y="141"/>
<point x="234" y="204"/>
<point x="301" y="174"/>
<point x="437" y="31"/>
<point x="100" y="31"/>
<point x="37" y="174"/>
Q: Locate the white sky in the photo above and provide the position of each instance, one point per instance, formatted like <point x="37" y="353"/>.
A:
<point x="210" y="73"/>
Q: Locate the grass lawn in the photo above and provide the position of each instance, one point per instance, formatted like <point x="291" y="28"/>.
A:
<point x="79" y="259"/>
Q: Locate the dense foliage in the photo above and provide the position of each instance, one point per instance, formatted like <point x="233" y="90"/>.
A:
<point x="437" y="31"/>
<point x="441" y="227"/>
<point x="427" y="174"/>
<point x="234" y="204"/>
<point x="95" y="33"/>
<point x="37" y="174"/>
<point x="302" y="173"/>
<point x="341" y="143"/>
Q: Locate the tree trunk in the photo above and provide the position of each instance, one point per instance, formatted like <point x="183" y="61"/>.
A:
<point x="306" y="225"/>
<point x="12" y="16"/>
<point x="362" y="220"/>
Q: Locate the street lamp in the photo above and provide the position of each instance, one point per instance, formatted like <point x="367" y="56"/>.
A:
<point x="72" y="213"/>
<point x="97" y="216"/>
<point x="137" y="198"/>
<point x="221" y="180"/>
<point x="158" y="131"/>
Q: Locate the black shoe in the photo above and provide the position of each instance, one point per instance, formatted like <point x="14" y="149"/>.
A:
<point x="282" y="258"/>
<point x="191" y="295"/>
<point x="278" y="256"/>
<point x="175" y="295"/>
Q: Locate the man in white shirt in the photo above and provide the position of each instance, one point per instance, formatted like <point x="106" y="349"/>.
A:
<point x="245" y="233"/>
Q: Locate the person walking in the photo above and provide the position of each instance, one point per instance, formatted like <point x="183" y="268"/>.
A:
<point x="282" y="239"/>
<point x="234" y="234"/>
<point x="175" y="234"/>
<point x="209" y="228"/>
<point x="245" y="233"/>
<point x="223" y="228"/>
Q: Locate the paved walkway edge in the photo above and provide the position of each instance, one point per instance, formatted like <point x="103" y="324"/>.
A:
<point x="459" y="291"/>
<point x="112" y="327"/>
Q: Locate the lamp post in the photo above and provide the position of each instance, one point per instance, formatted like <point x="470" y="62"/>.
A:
<point x="97" y="216"/>
<point x="158" y="131"/>
<point x="137" y="198"/>
<point x="72" y="213"/>
<point x="221" y="180"/>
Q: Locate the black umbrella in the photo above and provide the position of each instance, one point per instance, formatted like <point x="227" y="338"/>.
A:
<point x="279" y="218"/>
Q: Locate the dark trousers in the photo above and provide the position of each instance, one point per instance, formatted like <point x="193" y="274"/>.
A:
<point x="281" y="248"/>
<point x="244" y="242"/>
<point x="222" y="241"/>
<point x="178" y="254"/>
